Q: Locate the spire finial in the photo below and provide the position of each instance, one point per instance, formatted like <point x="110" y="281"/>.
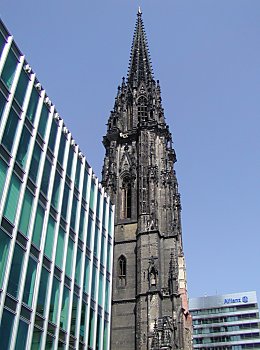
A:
<point x="139" y="10"/>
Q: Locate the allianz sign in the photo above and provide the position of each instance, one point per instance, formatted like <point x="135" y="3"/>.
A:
<point x="236" y="300"/>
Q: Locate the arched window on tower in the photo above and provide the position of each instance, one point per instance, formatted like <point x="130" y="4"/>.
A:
<point x="126" y="199"/>
<point x="122" y="271"/>
<point x="142" y="109"/>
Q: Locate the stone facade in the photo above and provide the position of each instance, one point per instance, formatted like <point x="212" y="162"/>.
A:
<point x="149" y="302"/>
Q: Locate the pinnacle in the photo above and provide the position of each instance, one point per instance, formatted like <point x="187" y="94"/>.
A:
<point x="140" y="67"/>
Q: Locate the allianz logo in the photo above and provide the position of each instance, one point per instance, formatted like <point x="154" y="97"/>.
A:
<point x="236" y="300"/>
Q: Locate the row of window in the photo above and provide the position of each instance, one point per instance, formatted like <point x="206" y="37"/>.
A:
<point x="222" y="310"/>
<point x="226" y="338"/>
<point x="232" y="347"/>
<point x="223" y="328"/>
<point x="223" y="319"/>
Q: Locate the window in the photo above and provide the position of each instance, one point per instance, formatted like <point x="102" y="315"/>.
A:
<point x="15" y="273"/>
<point x="49" y="345"/>
<point x="2" y="104"/>
<point x="82" y="221"/>
<point x="122" y="271"/>
<point x="46" y="176"/>
<point x="110" y="222"/>
<point x="6" y="328"/>
<point x="56" y="190"/>
<point x="9" y="69"/>
<point x="98" y="204"/>
<point x="62" y="148"/>
<point x="29" y="282"/>
<point x="126" y="198"/>
<point x="32" y="107"/>
<point x="53" y="135"/>
<point x="69" y="259"/>
<point x="65" y="309"/>
<point x="49" y="238"/>
<point x="100" y="289"/>
<point x="54" y="303"/>
<point x="92" y="195"/>
<point x="78" y="266"/>
<point x="12" y="198"/>
<point x="85" y="184"/>
<point x="26" y="212"/>
<point x="21" y="87"/>
<point x="94" y="282"/>
<point x="43" y="288"/>
<point x="70" y="161"/>
<point x="38" y="226"/>
<point x="99" y="333"/>
<point x="102" y="254"/>
<point x="2" y="43"/>
<point x="43" y="121"/>
<point x="21" y="337"/>
<point x="86" y="275"/>
<point x="83" y="319"/>
<point x="35" y="162"/>
<point x="74" y="314"/>
<point x="10" y="130"/>
<point x="96" y="240"/>
<point x="91" y="328"/>
<point x="104" y="213"/>
<point x="73" y="212"/>
<point x="60" y="248"/>
<point x="109" y="247"/>
<point x="22" y="152"/>
<point x="37" y="339"/>
<point x="89" y="231"/>
<point x="142" y="109"/>
<point x="107" y="296"/>
<point x="77" y="177"/>
<point x="4" y="249"/>
<point x="105" y="338"/>
<point x="65" y="200"/>
<point x="3" y="171"/>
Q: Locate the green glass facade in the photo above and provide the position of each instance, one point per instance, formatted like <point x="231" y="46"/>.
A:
<point x="56" y="223"/>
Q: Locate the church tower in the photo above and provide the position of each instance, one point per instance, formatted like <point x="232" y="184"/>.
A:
<point x="149" y="301"/>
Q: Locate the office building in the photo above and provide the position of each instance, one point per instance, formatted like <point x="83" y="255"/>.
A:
<point x="149" y="306"/>
<point x="229" y="321"/>
<point x="56" y="223"/>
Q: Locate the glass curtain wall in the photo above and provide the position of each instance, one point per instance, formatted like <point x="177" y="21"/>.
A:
<point x="56" y="223"/>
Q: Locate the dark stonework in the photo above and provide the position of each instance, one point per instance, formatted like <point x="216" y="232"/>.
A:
<point x="149" y="309"/>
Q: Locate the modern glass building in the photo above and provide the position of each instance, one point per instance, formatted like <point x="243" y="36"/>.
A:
<point x="56" y="223"/>
<point x="229" y="321"/>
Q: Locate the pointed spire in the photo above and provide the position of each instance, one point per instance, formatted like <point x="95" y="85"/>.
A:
<point x="140" y="67"/>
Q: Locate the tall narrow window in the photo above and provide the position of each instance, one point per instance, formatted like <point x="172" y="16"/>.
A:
<point x="21" y="87"/>
<point x="142" y="109"/>
<point x="16" y="271"/>
<point x="30" y="281"/>
<point x="9" y="69"/>
<point x="12" y="198"/>
<point x="22" y="152"/>
<point x="126" y="199"/>
<point x="122" y="271"/>
<point x="43" y="121"/>
<point x="10" y="130"/>
<point x="32" y="107"/>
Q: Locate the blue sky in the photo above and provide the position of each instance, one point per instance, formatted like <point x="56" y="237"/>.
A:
<point x="206" y="55"/>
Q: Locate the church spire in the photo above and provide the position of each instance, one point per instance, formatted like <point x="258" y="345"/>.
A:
<point x="140" y="67"/>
